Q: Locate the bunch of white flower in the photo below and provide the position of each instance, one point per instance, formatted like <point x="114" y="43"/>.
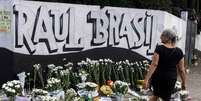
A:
<point x="184" y="94"/>
<point x="53" y="84"/>
<point x="37" y="66"/>
<point x="39" y="92"/>
<point x="51" y="66"/>
<point x="120" y="87"/>
<point x="12" y="88"/>
<point x="64" y="72"/>
<point x="71" y="95"/>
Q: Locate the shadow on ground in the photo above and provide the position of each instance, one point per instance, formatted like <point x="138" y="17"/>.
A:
<point x="194" y="80"/>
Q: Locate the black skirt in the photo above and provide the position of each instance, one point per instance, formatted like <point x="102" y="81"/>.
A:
<point x="163" y="87"/>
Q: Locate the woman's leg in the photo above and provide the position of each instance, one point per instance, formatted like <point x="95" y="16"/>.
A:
<point x="153" y="98"/>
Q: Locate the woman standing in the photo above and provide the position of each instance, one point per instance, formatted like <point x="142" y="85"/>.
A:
<point x="162" y="73"/>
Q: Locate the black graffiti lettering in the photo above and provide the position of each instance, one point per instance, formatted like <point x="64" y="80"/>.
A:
<point x="59" y="27"/>
<point x="153" y="31"/>
<point x="114" y="23"/>
<point x="24" y="27"/>
<point x="44" y="32"/>
<point x="46" y="27"/>
<point x="126" y="30"/>
<point x="139" y="30"/>
<point x="57" y="30"/>
<point x="100" y="25"/>
<point x="148" y="28"/>
<point x="73" y="42"/>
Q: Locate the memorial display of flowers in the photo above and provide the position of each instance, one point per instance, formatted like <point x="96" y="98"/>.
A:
<point x="89" y="78"/>
<point x="12" y="88"/>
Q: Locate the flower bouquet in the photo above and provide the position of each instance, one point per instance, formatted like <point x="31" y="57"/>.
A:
<point x="53" y="84"/>
<point x="184" y="95"/>
<point x="88" y="89"/>
<point x="106" y="90"/>
<point x="70" y="95"/>
<point x="12" y="88"/>
<point x="120" y="88"/>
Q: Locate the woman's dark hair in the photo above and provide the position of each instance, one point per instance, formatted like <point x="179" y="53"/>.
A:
<point x="168" y="36"/>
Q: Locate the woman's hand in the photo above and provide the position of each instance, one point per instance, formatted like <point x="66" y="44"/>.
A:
<point x="183" y="86"/>
<point x="146" y="84"/>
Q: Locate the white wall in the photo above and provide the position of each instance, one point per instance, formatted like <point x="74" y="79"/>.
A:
<point x="37" y="28"/>
<point x="198" y="41"/>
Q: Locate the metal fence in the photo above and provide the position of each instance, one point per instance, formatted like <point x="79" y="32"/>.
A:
<point x="190" y="41"/>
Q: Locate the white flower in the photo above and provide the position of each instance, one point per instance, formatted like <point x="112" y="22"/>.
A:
<point x="4" y="86"/>
<point x="7" y="88"/>
<point x="37" y="66"/>
<point x="53" y="81"/>
<point x="101" y="60"/>
<point x="17" y="86"/>
<point x="59" y="67"/>
<point x="10" y="84"/>
<point x="64" y="72"/>
<point x="69" y="64"/>
<point x="16" y="82"/>
<point x="71" y="91"/>
<point x="183" y="92"/>
<point x="12" y="90"/>
<point x="51" y="66"/>
<point x="88" y="60"/>
<point x="28" y="74"/>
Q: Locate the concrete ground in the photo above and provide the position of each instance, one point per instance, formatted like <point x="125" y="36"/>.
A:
<point x="194" y="80"/>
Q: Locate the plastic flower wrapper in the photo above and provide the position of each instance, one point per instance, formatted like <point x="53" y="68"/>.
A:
<point x="83" y="74"/>
<point x="106" y="90"/>
<point x="53" y="84"/>
<point x="12" y="88"/>
<point x="90" y="86"/>
<point x="39" y="92"/>
<point x="70" y="95"/>
<point x="178" y="86"/>
<point x="120" y="88"/>
<point x="144" y="98"/>
<point x="48" y="98"/>
<point x="184" y="94"/>
<point x="86" y="88"/>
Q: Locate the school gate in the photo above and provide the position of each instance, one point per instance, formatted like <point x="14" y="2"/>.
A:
<point x="40" y="32"/>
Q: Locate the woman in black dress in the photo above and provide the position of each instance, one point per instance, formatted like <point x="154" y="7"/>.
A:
<point x="162" y="73"/>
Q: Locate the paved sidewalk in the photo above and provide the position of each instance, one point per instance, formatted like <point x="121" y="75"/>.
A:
<point x="194" y="81"/>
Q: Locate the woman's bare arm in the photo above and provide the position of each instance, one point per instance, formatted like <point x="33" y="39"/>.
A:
<point x="182" y="72"/>
<point x="152" y="68"/>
